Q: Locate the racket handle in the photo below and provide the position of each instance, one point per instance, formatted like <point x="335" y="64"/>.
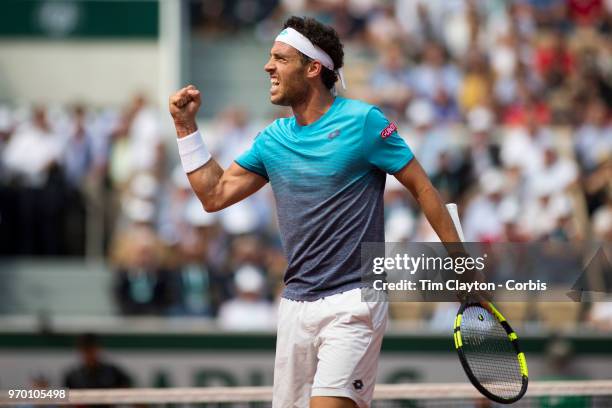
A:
<point x="454" y="214"/>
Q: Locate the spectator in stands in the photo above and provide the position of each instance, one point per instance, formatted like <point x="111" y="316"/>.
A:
<point x="425" y="20"/>
<point x="32" y="158"/>
<point x="390" y="81"/>
<point x="425" y="142"/>
<point x="538" y="218"/>
<point x="476" y="84"/>
<point x="191" y="287"/>
<point x="8" y="206"/>
<point x="175" y="197"/>
<point x="593" y="147"/>
<point x="446" y="108"/>
<point x="146" y="148"/>
<point x="77" y="162"/>
<point x="525" y="107"/>
<point x="593" y="140"/>
<point x="78" y="155"/>
<point x="506" y="67"/>
<point x="564" y="229"/>
<point x="509" y="215"/>
<point x="382" y="28"/>
<point x="245" y="249"/>
<point x="451" y="177"/>
<point x="553" y="60"/>
<point x="93" y="371"/>
<point x="483" y="154"/>
<point x="120" y="167"/>
<point x="34" y="151"/>
<point x="235" y="134"/>
<point x="249" y="310"/>
<point x="522" y="146"/>
<point x="435" y="73"/>
<point x="142" y="282"/>
<point x="561" y="171"/>
<point x="481" y="219"/>
<point x="431" y="144"/>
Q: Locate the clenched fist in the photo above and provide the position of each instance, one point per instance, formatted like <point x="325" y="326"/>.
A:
<point x="184" y="106"/>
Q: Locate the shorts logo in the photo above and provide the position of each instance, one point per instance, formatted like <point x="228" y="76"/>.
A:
<point x="333" y="134"/>
<point x="358" y="384"/>
<point x="388" y="131"/>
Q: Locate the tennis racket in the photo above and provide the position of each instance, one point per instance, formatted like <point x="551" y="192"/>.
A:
<point x="487" y="346"/>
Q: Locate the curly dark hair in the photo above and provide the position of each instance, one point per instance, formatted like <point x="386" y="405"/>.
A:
<point x="324" y="37"/>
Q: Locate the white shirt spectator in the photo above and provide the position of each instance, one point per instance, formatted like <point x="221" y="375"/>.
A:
<point x="538" y="218"/>
<point x="145" y="139"/>
<point x="482" y="222"/>
<point x="30" y="152"/>
<point x="249" y="310"/>
<point x="560" y="174"/>
<point x="241" y="314"/>
<point x="519" y="149"/>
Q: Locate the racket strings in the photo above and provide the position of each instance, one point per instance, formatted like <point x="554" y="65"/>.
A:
<point x="489" y="353"/>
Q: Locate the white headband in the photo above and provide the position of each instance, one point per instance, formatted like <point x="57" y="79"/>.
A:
<point x="298" y="41"/>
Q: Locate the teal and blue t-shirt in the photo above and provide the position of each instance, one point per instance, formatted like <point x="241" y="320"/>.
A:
<point x="328" y="179"/>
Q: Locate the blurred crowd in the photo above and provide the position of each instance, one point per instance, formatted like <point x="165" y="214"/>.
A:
<point x="506" y="104"/>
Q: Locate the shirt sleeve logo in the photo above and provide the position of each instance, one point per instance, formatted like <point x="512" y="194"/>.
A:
<point x="388" y="131"/>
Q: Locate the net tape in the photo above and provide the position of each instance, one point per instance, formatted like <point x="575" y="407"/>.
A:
<point x="430" y="391"/>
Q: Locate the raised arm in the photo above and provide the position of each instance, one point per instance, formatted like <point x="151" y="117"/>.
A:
<point x="414" y="178"/>
<point x="215" y="188"/>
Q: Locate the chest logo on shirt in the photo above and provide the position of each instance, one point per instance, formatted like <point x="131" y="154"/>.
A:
<point x="334" y="134"/>
<point x="388" y="131"/>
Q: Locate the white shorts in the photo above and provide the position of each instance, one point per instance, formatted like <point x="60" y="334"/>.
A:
<point x="328" y="347"/>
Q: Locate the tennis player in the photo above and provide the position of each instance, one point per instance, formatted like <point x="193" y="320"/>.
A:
<point x="327" y="166"/>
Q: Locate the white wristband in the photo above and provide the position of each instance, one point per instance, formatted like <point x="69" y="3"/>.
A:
<point x="193" y="151"/>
